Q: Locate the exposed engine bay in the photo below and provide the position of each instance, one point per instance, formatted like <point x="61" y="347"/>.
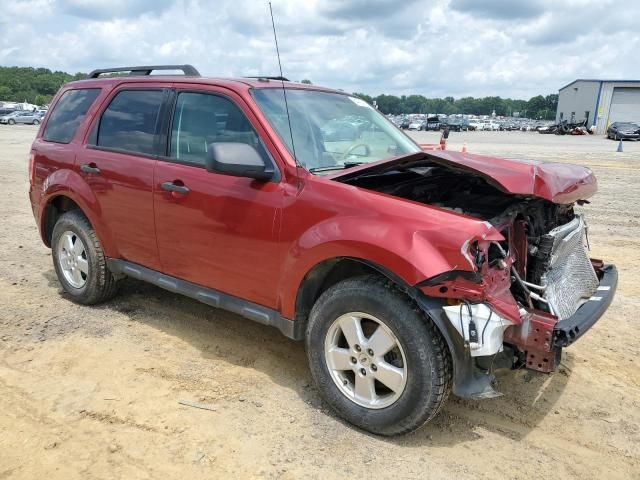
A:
<point x="544" y="256"/>
<point x="463" y="192"/>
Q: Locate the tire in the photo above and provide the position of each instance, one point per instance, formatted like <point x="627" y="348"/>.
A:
<point x="96" y="284"/>
<point x="420" y="352"/>
<point x="11" y="121"/>
<point x="36" y="122"/>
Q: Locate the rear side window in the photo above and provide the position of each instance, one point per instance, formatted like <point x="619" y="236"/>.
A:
<point x="68" y="113"/>
<point x="130" y="121"/>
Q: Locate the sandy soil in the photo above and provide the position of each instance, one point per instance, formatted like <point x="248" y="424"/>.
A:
<point x="93" y="392"/>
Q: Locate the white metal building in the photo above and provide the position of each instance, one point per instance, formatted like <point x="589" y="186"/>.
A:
<point x="601" y="102"/>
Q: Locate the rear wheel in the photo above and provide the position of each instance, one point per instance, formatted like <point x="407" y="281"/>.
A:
<point x="79" y="261"/>
<point x="36" y="122"/>
<point x="376" y="358"/>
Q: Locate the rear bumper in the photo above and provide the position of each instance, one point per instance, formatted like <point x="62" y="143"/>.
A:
<point x="567" y="331"/>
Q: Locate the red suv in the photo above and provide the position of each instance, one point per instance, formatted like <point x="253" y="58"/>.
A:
<point x="408" y="273"/>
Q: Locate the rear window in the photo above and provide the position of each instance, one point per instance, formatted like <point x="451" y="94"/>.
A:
<point x="130" y="121"/>
<point x="68" y="114"/>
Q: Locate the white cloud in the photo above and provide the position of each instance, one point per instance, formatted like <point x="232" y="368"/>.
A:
<point x="435" y="48"/>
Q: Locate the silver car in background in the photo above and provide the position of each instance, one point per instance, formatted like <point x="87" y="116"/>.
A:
<point x="31" y="118"/>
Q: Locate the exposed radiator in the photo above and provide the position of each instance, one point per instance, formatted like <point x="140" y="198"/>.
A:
<point x="570" y="279"/>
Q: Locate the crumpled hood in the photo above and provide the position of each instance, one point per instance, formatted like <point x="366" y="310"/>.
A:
<point x="557" y="182"/>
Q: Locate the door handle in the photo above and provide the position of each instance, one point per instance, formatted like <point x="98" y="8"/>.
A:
<point x="90" y="168"/>
<point x="172" y="187"/>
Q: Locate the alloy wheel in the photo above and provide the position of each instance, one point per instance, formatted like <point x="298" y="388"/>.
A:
<point x="72" y="259"/>
<point x="365" y="360"/>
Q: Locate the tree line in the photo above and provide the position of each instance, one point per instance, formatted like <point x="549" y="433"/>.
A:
<point x="32" y="85"/>
<point x="538" y="107"/>
<point x="38" y="85"/>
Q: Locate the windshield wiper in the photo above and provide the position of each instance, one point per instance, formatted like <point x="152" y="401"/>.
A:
<point x="335" y="167"/>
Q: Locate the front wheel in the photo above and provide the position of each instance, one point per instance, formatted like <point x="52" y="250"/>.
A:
<point x="376" y="358"/>
<point x="11" y="121"/>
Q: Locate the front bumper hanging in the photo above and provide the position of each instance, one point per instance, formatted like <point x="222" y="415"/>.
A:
<point x="570" y="329"/>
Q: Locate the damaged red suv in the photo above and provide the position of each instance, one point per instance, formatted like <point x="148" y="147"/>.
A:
<point x="409" y="274"/>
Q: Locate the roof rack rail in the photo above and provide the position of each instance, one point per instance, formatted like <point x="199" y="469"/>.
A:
<point x="265" y="78"/>
<point x="188" y="70"/>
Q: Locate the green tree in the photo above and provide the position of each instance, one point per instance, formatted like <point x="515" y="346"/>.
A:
<point x="21" y="84"/>
<point x="414" y="104"/>
<point x="389" y="104"/>
<point x="307" y="81"/>
<point x="42" y="99"/>
<point x="536" y="106"/>
<point x="365" y="97"/>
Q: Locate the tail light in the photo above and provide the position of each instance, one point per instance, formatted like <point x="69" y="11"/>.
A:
<point x="32" y="168"/>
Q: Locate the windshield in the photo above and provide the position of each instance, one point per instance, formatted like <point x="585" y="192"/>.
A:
<point x="330" y="130"/>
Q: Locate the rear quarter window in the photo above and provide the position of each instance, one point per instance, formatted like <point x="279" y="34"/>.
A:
<point x="68" y="114"/>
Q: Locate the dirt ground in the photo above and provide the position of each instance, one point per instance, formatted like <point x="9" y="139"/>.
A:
<point x="93" y="393"/>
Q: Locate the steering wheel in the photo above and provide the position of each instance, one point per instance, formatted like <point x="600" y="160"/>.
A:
<point x="347" y="152"/>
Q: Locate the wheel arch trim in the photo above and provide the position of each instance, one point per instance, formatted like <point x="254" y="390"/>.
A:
<point x="66" y="183"/>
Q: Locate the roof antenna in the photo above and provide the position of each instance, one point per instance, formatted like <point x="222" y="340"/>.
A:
<point x="284" y="91"/>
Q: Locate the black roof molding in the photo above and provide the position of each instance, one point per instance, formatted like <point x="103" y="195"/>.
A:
<point x="187" y="70"/>
<point x="263" y="78"/>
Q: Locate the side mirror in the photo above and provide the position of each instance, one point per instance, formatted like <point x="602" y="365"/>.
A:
<point x="237" y="160"/>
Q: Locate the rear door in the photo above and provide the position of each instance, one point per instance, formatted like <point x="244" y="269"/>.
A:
<point x="118" y="165"/>
<point x="220" y="231"/>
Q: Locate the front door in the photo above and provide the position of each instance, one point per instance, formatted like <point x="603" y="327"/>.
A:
<point x="215" y="230"/>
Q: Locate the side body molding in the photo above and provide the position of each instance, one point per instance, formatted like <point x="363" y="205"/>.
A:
<point x="214" y="298"/>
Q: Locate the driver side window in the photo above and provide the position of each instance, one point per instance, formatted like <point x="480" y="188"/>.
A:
<point x="201" y="119"/>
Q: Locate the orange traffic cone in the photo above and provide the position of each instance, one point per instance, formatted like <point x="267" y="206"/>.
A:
<point x="464" y="147"/>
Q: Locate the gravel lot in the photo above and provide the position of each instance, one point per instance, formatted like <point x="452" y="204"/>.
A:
<point x="93" y="392"/>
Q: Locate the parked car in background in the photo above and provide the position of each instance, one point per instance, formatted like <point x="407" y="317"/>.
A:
<point x="432" y="123"/>
<point x="31" y="118"/>
<point x="6" y="111"/>
<point x="547" y="129"/>
<point x="453" y="124"/>
<point x="476" y="124"/>
<point x="623" y="131"/>
<point x="467" y="125"/>
<point x="415" y="125"/>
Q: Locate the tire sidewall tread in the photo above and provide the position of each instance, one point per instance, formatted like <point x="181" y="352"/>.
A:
<point x="428" y="361"/>
<point x="101" y="284"/>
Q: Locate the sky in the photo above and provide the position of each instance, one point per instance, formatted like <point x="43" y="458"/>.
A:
<point x="436" y="48"/>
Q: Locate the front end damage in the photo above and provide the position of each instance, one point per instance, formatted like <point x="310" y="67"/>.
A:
<point x="528" y="289"/>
